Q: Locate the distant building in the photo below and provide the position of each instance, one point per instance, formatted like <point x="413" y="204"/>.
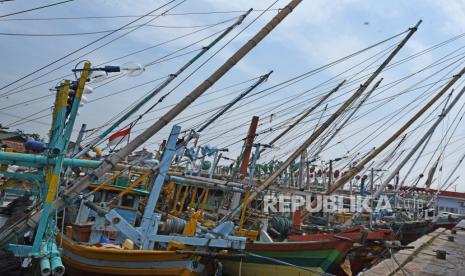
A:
<point x="21" y="142"/>
<point x="453" y="202"/>
<point x="446" y="201"/>
<point x="13" y="140"/>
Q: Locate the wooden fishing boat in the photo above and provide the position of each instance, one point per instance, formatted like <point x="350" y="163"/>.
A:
<point x="91" y="260"/>
<point x="372" y="249"/>
<point x="302" y="258"/>
<point x="355" y="234"/>
<point x="409" y="231"/>
<point x="447" y="221"/>
<point x="369" y="245"/>
<point x="309" y="255"/>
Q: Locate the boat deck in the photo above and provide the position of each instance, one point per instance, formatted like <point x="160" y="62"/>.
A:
<point x="422" y="259"/>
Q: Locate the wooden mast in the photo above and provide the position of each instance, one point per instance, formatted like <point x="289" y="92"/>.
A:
<point x="325" y="125"/>
<point x="367" y="95"/>
<point x="418" y="145"/>
<point x="305" y="114"/>
<point x="356" y="169"/>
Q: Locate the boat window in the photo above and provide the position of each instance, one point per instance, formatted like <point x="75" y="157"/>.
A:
<point x="110" y="196"/>
<point x="128" y="200"/>
<point x="98" y="196"/>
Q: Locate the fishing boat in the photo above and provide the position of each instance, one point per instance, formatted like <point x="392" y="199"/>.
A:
<point x="409" y="231"/>
<point x="368" y="245"/>
<point x="140" y="218"/>
<point x="109" y="240"/>
<point x="113" y="260"/>
<point x="289" y="258"/>
<point x="446" y="220"/>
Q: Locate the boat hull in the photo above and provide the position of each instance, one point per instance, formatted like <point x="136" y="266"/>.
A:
<point x="446" y="222"/>
<point x="410" y="231"/>
<point x="360" y="256"/>
<point x="306" y="258"/>
<point x="81" y="260"/>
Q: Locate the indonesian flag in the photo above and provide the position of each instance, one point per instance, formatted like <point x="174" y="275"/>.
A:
<point x="119" y="137"/>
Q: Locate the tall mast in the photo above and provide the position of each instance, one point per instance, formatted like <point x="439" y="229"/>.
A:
<point x="160" y="88"/>
<point x="226" y="108"/>
<point x="112" y="160"/>
<point x="414" y="163"/>
<point x="305" y="114"/>
<point x="420" y="142"/>
<point x="451" y="174"/>
<point x="326" y="124"/>
<point x="378" y="150"/>
<point x="322" y="147"/>
<point x="234" y="101"/>
<point x="248" y="144"/>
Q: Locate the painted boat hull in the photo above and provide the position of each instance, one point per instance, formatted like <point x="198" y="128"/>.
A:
<point x="446" y="222"/>
<point x="410" y="231"/>
<point x="361" y="256"/>
<point x="356" y="234"/>
<point x="316" y="256"/>
<point x="86" y="260"/>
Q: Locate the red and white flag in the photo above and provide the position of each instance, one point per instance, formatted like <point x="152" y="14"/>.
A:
<point x="119" y="137"/>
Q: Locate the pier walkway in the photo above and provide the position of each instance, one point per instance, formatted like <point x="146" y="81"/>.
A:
<point x="422" y="260"/>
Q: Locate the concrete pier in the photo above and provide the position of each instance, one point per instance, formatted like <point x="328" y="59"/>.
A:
<point x="422" y="260"/>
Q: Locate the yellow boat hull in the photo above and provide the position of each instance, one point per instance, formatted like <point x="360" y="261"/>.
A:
<point x="87" y="260"/>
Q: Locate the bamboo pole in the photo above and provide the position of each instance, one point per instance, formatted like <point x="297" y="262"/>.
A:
<point x="106" y="182"/>
<point x="134" y="184"/>
<point x="343" y="124"/>
<point x="234" y="101"/>
<point x="194" y="195"/>
<point x="176" y="199"/>
<point x="204" y="201"/>
<point x="183" y="200"/>
<point x="305" y="114"/>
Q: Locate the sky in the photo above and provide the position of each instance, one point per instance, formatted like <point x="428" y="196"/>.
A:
<point x="316" y="33"/>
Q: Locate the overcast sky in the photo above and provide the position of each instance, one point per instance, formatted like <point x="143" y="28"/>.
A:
<point x="315" y="34"/>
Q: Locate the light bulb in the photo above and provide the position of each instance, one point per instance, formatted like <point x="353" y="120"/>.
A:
<point x="98" y="76"/>
<point x="84" y="100"/>
<point x="88" y="89"/>
<point x="132" y="69"/>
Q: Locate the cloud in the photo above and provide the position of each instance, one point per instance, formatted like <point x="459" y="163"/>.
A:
<point x="453" y="20"/>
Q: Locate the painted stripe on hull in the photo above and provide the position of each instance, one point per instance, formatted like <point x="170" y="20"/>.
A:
<point x="320" y="255"/>
<point x="323" y="254"/>
<point x="81" y="265"/>
<point x="81" y="260"/>
<point x="324" y="259"/>
<point x="74" y="268"/>
<point x="117" y="255"/>
<point x="300" y="245"/>
<point x="233" y="268"/>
